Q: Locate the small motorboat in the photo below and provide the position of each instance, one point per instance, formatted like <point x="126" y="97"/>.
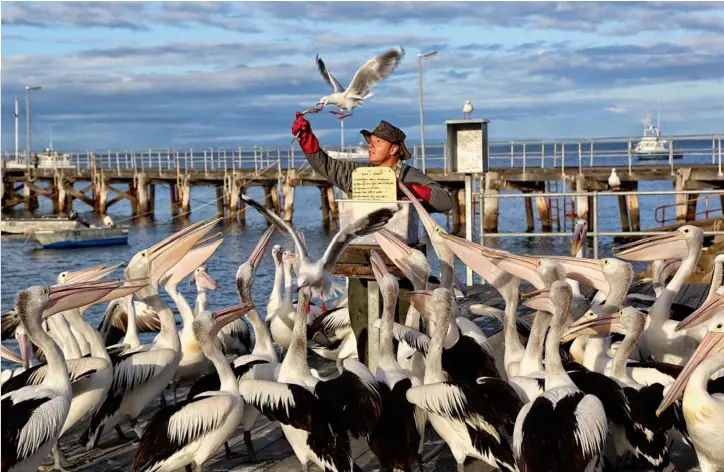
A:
<point x="82" y="236"/>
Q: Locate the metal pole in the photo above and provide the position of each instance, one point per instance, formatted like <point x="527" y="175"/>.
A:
<point x="17" y="128"/>
<point x="27" y="129"/>
<point x="595" y="224"/>
<point x="469" y="219"/>
<point x="341" y="135"/>
<point x="422" y="118"/>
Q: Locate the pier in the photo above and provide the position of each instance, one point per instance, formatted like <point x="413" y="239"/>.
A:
<point x="560" y="178"/>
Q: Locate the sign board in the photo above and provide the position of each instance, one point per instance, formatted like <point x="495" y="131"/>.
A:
<point x="467" y="146"/>
<point x="377" y="184"/>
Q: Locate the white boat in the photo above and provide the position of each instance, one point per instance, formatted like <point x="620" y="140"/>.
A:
<point x="48" y="159"/>
<point x="653" y="147"/>
<point x="47" y="223"/>
<point x="81" y="237"/>
<point x="360" y="151"/>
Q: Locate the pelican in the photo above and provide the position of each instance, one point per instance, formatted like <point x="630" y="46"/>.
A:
<point x="263" y="352"/>
<point x="397" y="437"/>
<point x="471" y="417"/>
<point x="275" y="299"/>
<point x="660" y="340"/>
<point x="703" y="411"/>
<point x="316" y="274"/>
<point x="141" y="374"/>
<point x="316" y="415"/>
<point x="188" y="433"/>
<point x="204" y="282"/>
<point x="33" y="416"/>
<point x="576" y="441"/>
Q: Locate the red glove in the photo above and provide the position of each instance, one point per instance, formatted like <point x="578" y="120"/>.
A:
<point x="303" y="131"/>
<point x="420" y="191"/>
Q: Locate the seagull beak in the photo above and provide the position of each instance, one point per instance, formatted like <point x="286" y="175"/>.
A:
<point x="663" y="246"/>
<point x="712" y="343"/>
<point x="704" y="313"/>
<point x="258" y="253"/>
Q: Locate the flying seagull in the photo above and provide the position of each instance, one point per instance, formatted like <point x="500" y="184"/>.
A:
<point x="317" y="274"/>
<point x="366" y="77"/>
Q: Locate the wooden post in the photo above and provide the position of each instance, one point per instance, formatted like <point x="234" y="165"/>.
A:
<point x="325" y="206"/>
<point x="623" y="213"/>
<point x="691" y="206"/>
<point x="529" y="218"/>
<point x="456" y="212"/>
<point x="220" y="200"/>
<point x="289" y="198"/>
<point x="270" y="197"/>
<point x="27" y="196"/>
<point x="334" y="210"/>
<point x="234" y="195"/>
<point x="582" y="207"/>
<point x="173" y="196"/>
<point x="141" y="180"/>
<point x="242" y="207"/>
<point x="633" y="208"/>
<point x="682" y="177"/>
<point x="65" y="201"/>
<point x="544" y="213"/>
<point x="186" y="196"/>
<point x="152" y="200"/>
<point x="492" y="204"/>
<point x="462" y="209"/>
<point x="102" y="195"/>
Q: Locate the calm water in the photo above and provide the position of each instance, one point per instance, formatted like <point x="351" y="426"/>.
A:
<point x="23" y="264"/>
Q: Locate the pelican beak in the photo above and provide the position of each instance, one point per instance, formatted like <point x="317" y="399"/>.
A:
<point x="472" y="256"/>
<point x="704" y="313"/>
<point x="9" y="355"/>
<point x="712" y="343"/>
<point x="379" y="269"/>
<point x="67" y="297"/>
<point x="541" y="301"/>
<point x="258" y="253"/>
<point x="194" y="259"/>
<point x="460" y="285"/>
<point x="166" y="254"/>
<point x="26" y="349"/>
<point x="227" y="315"/>
<point x="594" y="325"/>
<point x="534" y="293"/>
<point x="81" y="275"/>
<point x="399" y="253"/>
<point x="586" y="271"/>
<point x="523" y="267"/>
<point x="128" y="287"/>
<point x="205" y="281"/>
<point x="430" y="226"/>
<point x="577" y="239"/>
<point x="422" y="301"/>
<point x="663" y="246"/>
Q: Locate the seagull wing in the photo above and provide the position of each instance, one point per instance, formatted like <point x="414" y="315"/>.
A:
<point x="373" y="71"/>
<point x="279" y="223"/>
<point x="362" y="226"/>
<point x="328" y="77"/>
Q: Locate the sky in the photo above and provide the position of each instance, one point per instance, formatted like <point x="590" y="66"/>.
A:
<point x="199" y="74"/>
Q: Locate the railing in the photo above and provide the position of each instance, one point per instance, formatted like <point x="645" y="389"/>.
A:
<point x="594" y="230"/>
<point x="707" y="211"/>
<point x="523" y="154"/>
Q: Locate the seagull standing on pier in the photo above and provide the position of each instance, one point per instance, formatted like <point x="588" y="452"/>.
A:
<point x="614" y="182"/>
<point x="364" y="79"/>
<point x="467" y="109"/>
<point x="316" y="274"/>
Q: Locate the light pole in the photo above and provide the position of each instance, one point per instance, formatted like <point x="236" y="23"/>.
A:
<point x="420" y="57"/>
<point x="28" y="89"/>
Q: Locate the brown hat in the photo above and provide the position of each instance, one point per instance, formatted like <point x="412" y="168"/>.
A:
<point x="391" y="134"/>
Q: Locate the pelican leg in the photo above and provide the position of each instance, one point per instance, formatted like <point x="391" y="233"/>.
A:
<point x="249" y="446"/>
<point x="461" y="467"/>
<point x="305" y="468"/>
<point x="420" y="465"/>
<point x="137" y="429"/>
<point x="175" y="393"/>
<point x="189" y="468"/>
<point x="228" y="453"/>
<point x="162" y="400"/>
<point x="60" y="463"/>
<point x="121" y="435"/>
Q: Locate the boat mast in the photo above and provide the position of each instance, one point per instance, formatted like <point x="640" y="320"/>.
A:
<point x="17" y="114"/>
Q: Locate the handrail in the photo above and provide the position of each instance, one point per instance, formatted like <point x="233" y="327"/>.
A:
<point x="706" y="211"/>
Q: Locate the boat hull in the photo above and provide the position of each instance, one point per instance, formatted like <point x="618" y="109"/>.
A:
<point x="658" y="156"/>
<point x="85" y="237"/>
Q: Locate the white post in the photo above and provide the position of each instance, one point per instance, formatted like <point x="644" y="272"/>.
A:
<point x="17" y="128"/>
<point x="341" y="137"/>
<point x="469" y="218"/>
<point x="420" y="57"/>
<point x="373" y="314"/>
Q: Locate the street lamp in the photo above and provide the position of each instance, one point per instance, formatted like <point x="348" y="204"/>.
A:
<point x="28" y="89"/>
<point x="420" y="57"/>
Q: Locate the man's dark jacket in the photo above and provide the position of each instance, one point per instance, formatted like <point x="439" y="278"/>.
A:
<point x="339" y="173"/>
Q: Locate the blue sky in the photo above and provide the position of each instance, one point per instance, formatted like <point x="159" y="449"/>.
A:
<point x="187" y="74"/>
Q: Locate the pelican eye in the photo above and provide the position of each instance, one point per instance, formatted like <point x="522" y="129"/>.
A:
<point x="45" y="291"/>
<point x="719" y="326"/>
<point x="686" y="230"/>
<point x="605" y="262"/>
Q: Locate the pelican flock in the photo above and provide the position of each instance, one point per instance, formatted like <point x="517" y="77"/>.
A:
<point x="584" y="374"/>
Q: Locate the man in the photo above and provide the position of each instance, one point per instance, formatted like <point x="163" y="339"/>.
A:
<point x="386" y="148"/>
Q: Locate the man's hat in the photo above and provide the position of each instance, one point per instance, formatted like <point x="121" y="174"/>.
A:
<point x="391" y="134"/>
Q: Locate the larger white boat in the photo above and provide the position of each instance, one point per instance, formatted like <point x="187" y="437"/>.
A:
<point x="48" y="159"/>
<point x="653" y="147"/>
<point x="360" y="151"/>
